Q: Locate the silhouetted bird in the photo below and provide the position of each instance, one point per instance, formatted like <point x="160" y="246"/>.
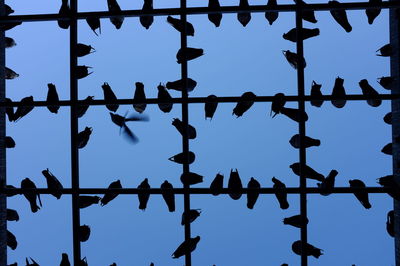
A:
<point x="307" y="15"/>
<point x="139" y="96"/>
<point x="294" y="59"/>
<point x="13" y="193"/>
<point x="9" y="142"/>
<point x="113" y="7"/>
<point x="121" y="122"/>
<point x="387" y="149"/>
<point x="308" y="142"/>
<point x="81" y="109"/>
<point x="9" y="42"/>
<point x="86" y="201"/>
<point x="296" y="115"/>
<point x="94" y="24"/>
<point x="338" y="92"/>
<point x="12" y="215"/>
<point x="385" y="50"/>
<point x="210" y="106"/>
<point x="83" y="137"/>
<point x="82" y="71"/>
<point x="181" y="127"/>
<point x="191" y="216"/>
<point x="390" y="183"/>
<point x="84" y="233"/>
<point x="252" y="196"/>
<point x="64" y="260"/>
<point x="168" y="195"/>
<point x="114" y="264"/>
<point x="11" y="240"/>
<point x="306" y="34"/>
<point x="235" y="185"/>
<point x="143" y="194"/>
<point x="280" y="193"/>
<point x="278" y="102"/>
<point x="179" y="25"/>
<point x="368" y="91"/>
<point x="327" y="185"/>
<point x="244" y="17"/>
<point x="186" y="247"/>
<point x="296" y="221"/>
<point x="309" y="249"/>
<point x="64" y="11"/>
<point x="31" y="195"/>
<point x="386" y="82"/>
<point x="316" y="92"/>
<point x="164" y="99"/>
<point x="388" y="118"/>
<point x="215" y="18"/>
<point x="362" y="196"/>
<point x="308" y="172"/>
<point x="271" y="16"/>
<point x="8" y="10"/>
<point x="217" y="185"/>
<point x="53" y="183"/>
<point x="14" y="264"/>
<point x="83" y="262"/>
<point x="9" y="109"/>
<point x="110" y="97"/>
<point x="340" y="16"/>
<point x="390" y="223"/>
<point x="183" y="158"/>
<point x="191" y="178"/>
<point x="110" y="195"/>
<point x="34" y="263"/>
<point x="147" y="20"/>
<point x="10" y="74"/>
<point x="189" y="53"/>
<point x="372" y="13"/>
<point x="83" y="49"/>
<point x="52" y="100"/>
<point x="178" y="85"/>
<point x="246" y="101"/>
<point x="9" y="25"/>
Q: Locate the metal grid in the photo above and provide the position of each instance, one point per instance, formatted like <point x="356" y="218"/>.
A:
<point x="185" y="100"/>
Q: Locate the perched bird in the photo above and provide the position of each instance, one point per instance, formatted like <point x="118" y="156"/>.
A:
<point x="9" y="109"/>
<point x="372" y="13"/>
<point x="9" y="142"/>
<point x="9" y="25"/>
<point x="186" y="247"/>
<point x="53" y="102"/>
<point x="390" y="183"/>
<point x="94" y="24"/>
<point x="295" y="114"/>
<point x="164" y="99"/>
<point x="86" y="201"/>
<point x="385" y="50"/>
<point x="8" y="10"/>
<point x="53" y="183"/>
<point x="143" y="195"/>
<point x="13" y="264"/>
<point x="246" y="101"/>
<point x="294" y="59"/>
<point x="64" y="11"/>
<point x="178" y="85"/>
<point x="296" y="221"/>
<point x="183" y="158"/>
<point x="215" y="18"/>
<point x="31" y="195"/>
<point x="327" y="185"/>
<point x="388" y="118"/>
<point x="34" y="263"/>
<point x="181" y="127"/>
<point x="121" y="122"/>
<point x="310" y="249"/>
<point x="388" y="149"/>
<point x="110" y="97"/>
<point x="9" y="42"/>
<point x="180" y="26"/>
<point x="308" y="172"/>
<point x="83" y="49"/>
<point x="83" y="137"/>
<point x="12" y="215"/>
<point x="252" y="196"/>
<point x="82" y="71"/>
<point x="271" y="16"/>
<point x="84" y="233"/>
<point x="11" y="240"/>
<point x="114" y="264"/>
<point x="113" y="7"/>
<point x="338" y="92"/>
<point x="10" y="74"/>
<point x="306" y="34"/>
<point x="110" y="195"/>
<point x="316" y="92"/>
<point x="190" y="178"/>
<point x="140" y="97"/>
<point x="10" y="194"/>
<point x="83" y="262"/>
<point x="280" y="193"/>
<point x="390" y="223"/>
<point x="190" y="216"/>
<point x="362" y="196"/>
<point x="81" y="109"/>
<point x="146" y="21"/>
<point x="210" y="106"/>
<point x="340" y="15"/>
<point x="386" y="82"/>
<point x="64" y="260"/>
<point x="244" y="17"/>
<point x="217" y="185"/>
<point x="307" y="15"/>
<point x="168" y="195"/>
<point x="235" y="185"/>
<point x="188" y="54"/>
<point x="368" y="91"/>
<point x="278" y="102"/>
<point x="308" y="142"/>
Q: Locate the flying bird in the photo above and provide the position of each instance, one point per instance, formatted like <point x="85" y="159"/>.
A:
<point x="362" y="196"/>
<point x="168" y="195"/>
<point x="186" y="247"/>
<point x="110" y="97"/>
<point x="296" y="221"/>
<point x="53" y="183"/>
<point x="390" y="223"/>
<point x="53" y="102"/>
<point x="278" y="102"/>
<point x="327" y="185"/>
<point x="83" y="137"/>
<point x="385" y="50"/>
<point x="373" y="13"/>
<point x="84" y="49"/>
<point x="253" y="192"/>
<point x="180" y="26"/>
<point x="82" y="71"/>
<point x="190" y="178"/>
<point x="140" y="97"/>
<point x="307" y="141"/>
<point x="81" y="109"/>
<point x="65" y="260"/>
<point x="31" y="195"/>
<point x="235" y="185"/>
<point x="215" y="18"/>
<point x="338" y="92"/>
<point x="183" y="158"/>
<point x="164" y="99"/>
<point x="340" y="16"/>
<point x="294" y="60"/>
<point x="217" y="185"/>
<point x="244" y="17"/>
<point x="246" y="101"/>
<point x="178" y="85"/>
<point x="305" y="34"/>
<point x="316" y="92"/>
<point x="84" y="233"/>
<point x="271" y="16"/>
<point x="386" y="82"/>
<point x="11" y="240"/>
<point x="210" y="106"/>
<point x="86" y="201"/>
<point x="181" y="127"/>
<point x="110" y="195"/>
<point x="280" y="193"/>
<point x="113" y="7"/>
<point x="94" y="24"/>
<point x="24" y="109"/>
<point x="188" y="54"/>
<point x="309" y="249"/>
<point x="124" y="129"/>
<point x="308" y="172"/>
<point x="147" y="20"/>
<point x="368" y="91"/>
<point x="12" y="215"/>
<point x="190" y="216"/>
<point x="143" y="194"/>
<point x="64" y="11"/>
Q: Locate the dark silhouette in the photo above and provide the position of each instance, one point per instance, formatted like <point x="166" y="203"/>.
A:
<point x="190" y="54"/>
<point x="310" y="249"/>
<point x="327" y="185"/>
<point x="340" y="16"/>
<point x="65" y="260"/>
<point x="246" y="101"/>
<point x="271" y="16"/>
<point x="339" y="92"/>
<point x="362" y="196"/>
<point x="372" y="13"/>
<point x="307" y="141"/>
<point x="139" y="96"/>
<point x="14" y="264"/>
<point x="53" y="183"/>
<point x="295" y="114"/>
<point x="114" y="264"/>
<point x="217" y="185"/>
<point x="31" y="195"/>
<point x="191" y="216"/>
<point x="387" y="149"/>
<point x="114" y="8"/>
<point x="81" y="109"/>
<point x="83" y="49"/>
<point x="307" y="15"/>
<point x="146" y="21"/>
<point x="143" y="195"/>
<point x="82" y="71"/>
<point x="294" y="59"/>
<point x="244" y="17"/>
<point x="390" y="183"/>
<point x="180" y="126"/>
<point x="23" y="110"/>
<point x="9" y="110"/>
<point x="386" y="82"/>
<point x="252" y="195"/>
<point x="316" y="92"/>
<point x="11" y="240"/>
<point x="390" y="223"/>
<point x="34" y="263"/>
<point x="94" y="24"/>
<point x="388" y="118"/>
<point x="280" y="193"/>
<point x="179" y="26"/>
<point x="178" y="85"/>
<point x="124" y="129"/>
<point x="186" y="247"/>
<point x="9" y="42"/>
<point x="83" y="262"/>
<point x="210" y="106"/>
<point x="9" y="142"/>
<point x="52" y="99"/>
<point x="84" y="233"/>
<point x="306" y="34"/>
<point x="278" y="102"/>
<point x="235" y="185"/>
<point x="215" y="18"/>
<point x="86" y="201"/>
<point x="164" y="99"/>
<point x="10" y="74"/>
<point x="110" y="195"/>
<point x="12" y="215"/>
<point x="9" y="25"/>
<point x="13" y="193"/>
<point x="368" y="91"/>
<point x="385" y="50"/>
<point x="296" y="221"/>
<point x="83" y="137"/>
<point x="109" y="96"/>
<point x="308" y="172"/>
<point x="168" y="195"/>
<point x="64" y="11"/>
<point x="191" y="178"/>
<point x="8" y="10"/>
<point x="183" y="158"/>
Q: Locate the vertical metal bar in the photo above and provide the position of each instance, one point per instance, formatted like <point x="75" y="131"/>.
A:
<point x="74" y="133"/>
<point x="302" y="132"/>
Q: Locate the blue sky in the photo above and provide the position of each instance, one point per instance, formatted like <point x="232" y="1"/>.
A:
<point x="236" y="60"/>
